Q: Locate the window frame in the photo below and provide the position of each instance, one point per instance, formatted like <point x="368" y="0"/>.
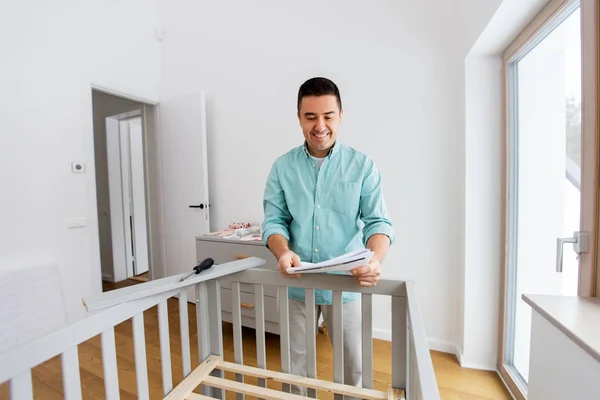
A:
<point x="589" y="279"/>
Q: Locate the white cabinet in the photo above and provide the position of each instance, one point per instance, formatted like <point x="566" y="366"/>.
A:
<point x="225" y="250"/>
<point x="565" y="348"/>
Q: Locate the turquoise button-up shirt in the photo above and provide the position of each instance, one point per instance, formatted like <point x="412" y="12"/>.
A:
<point x="324" y="212"/>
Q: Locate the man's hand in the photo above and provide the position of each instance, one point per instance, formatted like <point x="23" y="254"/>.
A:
<point x="286" y="260"/>
<point x="368" y="275"/>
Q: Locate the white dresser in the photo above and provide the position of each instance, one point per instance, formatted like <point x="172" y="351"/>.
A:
<point x="225" y="250"/>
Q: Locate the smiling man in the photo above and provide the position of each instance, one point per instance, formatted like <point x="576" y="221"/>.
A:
<point x="324" y="199"/>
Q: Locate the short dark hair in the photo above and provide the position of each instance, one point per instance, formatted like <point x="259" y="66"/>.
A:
<point x="319" y="87"/>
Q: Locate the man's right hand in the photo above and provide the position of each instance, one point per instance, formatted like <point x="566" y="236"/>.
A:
<point x="286" y="260"/>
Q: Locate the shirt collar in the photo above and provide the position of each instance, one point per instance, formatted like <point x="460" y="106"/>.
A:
<point x="332" y="152"/>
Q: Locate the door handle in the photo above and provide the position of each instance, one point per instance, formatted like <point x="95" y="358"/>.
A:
<point x="200" y="206"/>
<point x="580" y="242"/>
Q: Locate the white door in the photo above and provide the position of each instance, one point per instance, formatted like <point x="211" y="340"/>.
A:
<point x="125" y="158"/>
<point x="138" y="197"/>
<point x="183" y="156"/>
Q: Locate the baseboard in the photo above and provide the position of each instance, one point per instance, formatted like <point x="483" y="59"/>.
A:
<point x="108" y="278"/>
<point x="460" y="358"/>
<point x="382" y="334"/>
<point x="481" y="367"/>
<point x="441" y="346"/>
<point x="466" y="364"/>
<point x="437" y="345"/>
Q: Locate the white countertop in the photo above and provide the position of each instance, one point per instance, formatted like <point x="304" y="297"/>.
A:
<point x="576" y="317"/>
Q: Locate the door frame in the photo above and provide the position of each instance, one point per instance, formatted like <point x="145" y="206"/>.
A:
<point x="589" y="279"/>
<point x="152" y="177"/>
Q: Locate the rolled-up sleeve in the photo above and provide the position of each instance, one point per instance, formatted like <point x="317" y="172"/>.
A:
<point x="372" y="206"/>
<point x="276" y="214"/>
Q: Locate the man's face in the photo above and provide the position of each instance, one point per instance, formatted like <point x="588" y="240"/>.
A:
<point x="320" y="118"/>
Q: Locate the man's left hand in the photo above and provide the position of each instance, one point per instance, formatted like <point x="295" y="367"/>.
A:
<point x="368" y="275"/>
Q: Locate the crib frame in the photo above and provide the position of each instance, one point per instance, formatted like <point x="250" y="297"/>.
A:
<point x="413" y="376"/>
<point x="202" y="376"/>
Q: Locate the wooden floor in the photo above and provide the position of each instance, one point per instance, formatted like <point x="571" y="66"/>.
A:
<point x="454" y="382"/>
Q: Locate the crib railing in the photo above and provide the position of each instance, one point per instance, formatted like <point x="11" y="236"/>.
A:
<point x="412" y="370"/>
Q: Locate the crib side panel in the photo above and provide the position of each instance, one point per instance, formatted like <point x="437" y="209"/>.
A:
<point x="259" y="316"/>
<point x="71" y="377"/>
<point x="311" y="343"/>
<point x="21" y="387"/>
<point x="367" y="340"/>
<point x="165" y="347"/>
<point x="109" y="364"/>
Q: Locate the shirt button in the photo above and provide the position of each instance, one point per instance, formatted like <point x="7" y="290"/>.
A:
<point x="318" y="206"/>
<point x="314" y="165"/>
<point x="317" y="227"/>
<point x="316" y="250"/>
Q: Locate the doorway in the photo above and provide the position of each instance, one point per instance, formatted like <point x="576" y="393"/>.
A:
<point x="175" y="184"/>
<point x="125" y="163"/>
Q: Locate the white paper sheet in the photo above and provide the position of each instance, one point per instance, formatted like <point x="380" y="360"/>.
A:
<point x="342" y="263"/>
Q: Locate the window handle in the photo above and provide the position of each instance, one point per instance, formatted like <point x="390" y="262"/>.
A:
<point x="580" y="242"/>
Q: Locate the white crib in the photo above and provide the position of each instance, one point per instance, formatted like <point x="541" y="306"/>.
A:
<point x="412" y="370"/>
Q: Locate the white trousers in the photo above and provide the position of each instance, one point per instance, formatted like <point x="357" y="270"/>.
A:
<point x="352" y="340"/>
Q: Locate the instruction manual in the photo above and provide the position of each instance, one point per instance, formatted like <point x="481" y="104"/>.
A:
<point x="346" y="262"/>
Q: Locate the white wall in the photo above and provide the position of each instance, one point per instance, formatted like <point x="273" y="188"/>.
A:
<point x="400" y="69"/>
<point x="51" y="53"/>
<point x="483" y="217"/>
<point x="480" y="276"/>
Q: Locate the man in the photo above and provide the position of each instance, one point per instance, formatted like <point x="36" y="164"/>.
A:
<point x="324" y="199"/>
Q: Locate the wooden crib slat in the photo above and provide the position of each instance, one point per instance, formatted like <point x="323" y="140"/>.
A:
<point x="338" y="340"/>
<point x="109" y="364"/>
<point x="216" y="329"/>
<point x="311" y="340"/>
<point x="70" y="371"/>
<point x="259" y="317"/>
<point x="396" y="394"/>
<point x="251" y="390"/>
<point x="284" y="333"/>
<point x="367" y="341"/>
<point x="184" y="329"/>
<point x="139" y="349"/>
<point x="399" y="342"/>
<point x="195" y="396"/>
<point x="323" y="385"/>
<point x="165" y="346"/>
<point x="191" y="381"/>
<point x="21" y="387"/>
<point x="238" y="352"/>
